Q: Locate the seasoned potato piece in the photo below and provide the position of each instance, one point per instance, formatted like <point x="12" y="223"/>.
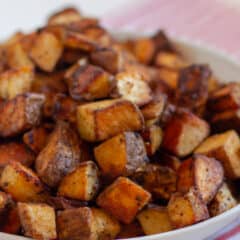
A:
<point x="22" y="183"/>
<point x="123" y="199"/>
<point x="121" y="155"/>
<point x="85" y="23"/>
<point x="37" y="220"/>
<point x="225" y="148"/>
<point x="155" y="219"/>
<point x="46" y="51"/>
<point x="107" y="118"/>
<point x="89" y="82"/>
<point x="167" y="160"/>
<point x="187" y="209"/>
<point x="82" y="183"/>
<point x="183" y="133"/>
<point x="60" y="156"/>
<point x="14" y="151"/>
<point x="222" y="202"/>
<point x="20" y="114"/>
<point x="15" y="81"/>
<point x="170" y="77"/>
<point x="152" y="137"/>
<point x="130" y="230"/>
<point x="130" y="85"/>
<point x="6" y="205"/>
<point x="225" y="98"/>
<point x="203" y="173"/>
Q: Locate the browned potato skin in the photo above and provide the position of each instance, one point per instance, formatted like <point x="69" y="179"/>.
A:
<point x="60" y="156"/>
<point x="187" y="209"/>
<point x="20" y="114"/>
<point x="203" y="173"/>
<point x="130" y="230"/>
<point x="121" y="155"/>
<point x="123" y="199"/>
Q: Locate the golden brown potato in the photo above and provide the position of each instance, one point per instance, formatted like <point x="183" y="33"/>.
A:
<point x="121" y="155"/>
<point x="15" y="81"/>
<point x="130" y="230"/>
<point x="22" y="183"/>
<point x="183" y="133"/>
<point x="155" y="219"/>
<point x="225" y="148"/>
<point x="37" y="220"/>
<point x="169" y="76"/>
<point x="20" y="114"/>
<point x="60" y="156"/>
<point x="46" y="51"/>
<point x="187" y="209"/>
<point x="89" y="82"/>
<point x="82" y="183"/>
<point x="123" y="199"/>
<point x="105" y="119"/>
<point x="203" y="173"/>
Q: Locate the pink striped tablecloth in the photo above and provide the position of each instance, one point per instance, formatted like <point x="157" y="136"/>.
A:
<point x="214" y="22"/>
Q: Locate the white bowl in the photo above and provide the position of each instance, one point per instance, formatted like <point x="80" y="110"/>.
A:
<point x="226" y="69"/>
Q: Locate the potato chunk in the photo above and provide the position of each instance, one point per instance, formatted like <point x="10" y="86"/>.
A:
<point x="15" y="81"/>
<point x="82" y="183"/>
<point x="89" y="82"/>
<point x="22" y="183"/>
<point x="46" y="51"/>
<point x="203" y="173"/>
<point x="222" y="202"/>
<point x="38" y="220"/>
<point x="20" y="114"/>
<point x="123" y="199"/>
<point x="155" y="219"/>
<point x="183" y="133"/>
<point x="105" y="119"/>
<point x="130" y="230"/>
<point x="225" y="148"/>
<point x="187" y="209"/>
<point x="60" y="156"/>
<point x="121" y="155"/>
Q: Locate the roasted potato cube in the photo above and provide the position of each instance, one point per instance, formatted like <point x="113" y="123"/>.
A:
<point x="106" y="119"/>
<point x="187" y="209"/>
<point x="84" y="24"/>
<point x="170" y="77"/>
<point x="130" y="85"/>
<point x="167" y="160"/>
<point x="20" y="114"/>
<point x="14" y="151"/>
<point x="152" y="137"/>
<point x="22" y="183"/>
<point x="225" y="148"/>
<point x="6" y="205"/>
<point x="123" y="199"/>
<point x="203" y="173"/>
<point x="37" y="220"/>
<point x="225" y="98"/>
<point x="82" y="183"/>
<point x="130" y="230"/>
<point x="60" y="156"/>
<point x="121" y="155"/>
<point x="89" y="82"/>
<point x="183" y="133"/>
<point x="15" y="81"/>
<point x="46" y="51"/>
<point x="155" y="219"/>
<point x="222" y="202"/>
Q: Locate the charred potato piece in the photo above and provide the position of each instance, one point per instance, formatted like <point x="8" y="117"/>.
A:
<point x="121" y="155"/>
<point x="131" y="230"/>
<point x="82" y="183"/>
<point x="203" y="173"/>
<point x="37" y="220"/>
<point x="183" y="133"/>
<point x="20" y="114"/>
<point x="46" y="51"/>
<point x="123" y="199"/>
<point x="22" y="183"/>
<point x="222" y="202"/>
<point x="155" y="219"/>
<point x="15" y="81"/>
<point x="225" y="148"/>
<point x="187" y="209"/>
<point x="60" y="156"/>
<point x="108" y="118"/>
<point x="89" y="82"/>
